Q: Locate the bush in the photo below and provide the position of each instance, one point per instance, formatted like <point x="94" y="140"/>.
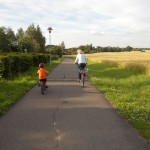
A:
<point x="15" y="63"/>
<point x="6" y="67"/>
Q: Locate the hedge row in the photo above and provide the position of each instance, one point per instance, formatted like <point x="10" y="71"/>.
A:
<point x="14" y="63"/>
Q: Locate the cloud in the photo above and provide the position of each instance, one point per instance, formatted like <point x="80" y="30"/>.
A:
<point x="79" y="22"/>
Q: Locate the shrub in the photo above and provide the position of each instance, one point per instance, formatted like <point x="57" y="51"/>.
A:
<point x="6" y="67"/>
<point x="14" y="63"/>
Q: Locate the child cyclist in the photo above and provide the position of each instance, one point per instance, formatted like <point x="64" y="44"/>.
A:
<point x="42" y="73"/>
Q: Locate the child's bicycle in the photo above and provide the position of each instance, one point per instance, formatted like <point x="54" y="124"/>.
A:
<point x="42" y="86"/>
<point x="83" y="75"/>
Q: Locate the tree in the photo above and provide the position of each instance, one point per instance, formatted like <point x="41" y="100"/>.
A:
<point x="3" y="40"/>
<point x="11" y="39"/>
<point x="7" y="40"/>
<point x="31" y="40"/>
<point x="23" y="41"/>
<point x="40" y="39"/>
<point x="62" y="47"/>
<point x="87" y="48"/>
<point x="35" y="35"/>
<point x="129" y="48"/>
<point x="20" y="40"/>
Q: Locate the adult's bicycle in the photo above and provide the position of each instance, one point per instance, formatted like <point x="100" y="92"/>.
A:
<point x="83" y="72"/>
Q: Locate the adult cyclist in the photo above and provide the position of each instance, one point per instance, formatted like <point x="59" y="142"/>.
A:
<point x="81" y="61"/>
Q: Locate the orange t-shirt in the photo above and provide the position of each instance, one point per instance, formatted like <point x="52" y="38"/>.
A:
<point x="42" y="73"/>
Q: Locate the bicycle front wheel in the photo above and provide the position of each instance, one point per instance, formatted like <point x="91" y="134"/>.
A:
<point x="83" y="80"/>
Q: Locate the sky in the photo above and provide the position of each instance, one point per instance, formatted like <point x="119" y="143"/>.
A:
<point x="116" y="23"/>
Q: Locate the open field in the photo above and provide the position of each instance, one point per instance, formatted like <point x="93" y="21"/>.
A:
<point x="136" y="61"/>
<point x="134" y="56"/>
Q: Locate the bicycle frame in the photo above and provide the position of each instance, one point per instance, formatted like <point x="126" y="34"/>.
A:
<point x="43" y="88"/>
<point x="83" y="73"/>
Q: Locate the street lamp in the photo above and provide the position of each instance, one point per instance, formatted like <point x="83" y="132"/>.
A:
<point x="50" y="29"/>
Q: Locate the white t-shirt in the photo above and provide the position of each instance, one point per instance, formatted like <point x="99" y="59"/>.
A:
<point x="80" y="58"/>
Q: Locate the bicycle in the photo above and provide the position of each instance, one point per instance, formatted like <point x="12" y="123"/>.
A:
<point x="83" y="72"/>
<point x="43" y="87"/>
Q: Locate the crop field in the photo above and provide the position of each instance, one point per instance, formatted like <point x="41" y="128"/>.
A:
<point x="135" y="61"/>
<point x="134" y="56"/>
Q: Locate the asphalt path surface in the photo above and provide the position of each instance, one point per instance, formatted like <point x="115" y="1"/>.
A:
<point x="66" y="117"/>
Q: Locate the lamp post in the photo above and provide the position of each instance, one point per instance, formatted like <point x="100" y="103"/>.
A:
<point x="50" y="29"/>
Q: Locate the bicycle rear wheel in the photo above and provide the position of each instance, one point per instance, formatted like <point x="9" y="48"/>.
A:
<point x="42" y="88"/>
<point x="83" y="79"/>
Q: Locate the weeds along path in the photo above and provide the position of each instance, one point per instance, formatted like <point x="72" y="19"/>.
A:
<point x="66" y="117"/>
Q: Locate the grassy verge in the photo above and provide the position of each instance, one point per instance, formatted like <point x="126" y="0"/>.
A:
<point x="12" y="90"/>
<point x="128" y="92"/>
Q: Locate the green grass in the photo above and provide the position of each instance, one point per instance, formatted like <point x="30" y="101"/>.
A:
<point x="128" y="92"/>
<point x="13" y="89"/>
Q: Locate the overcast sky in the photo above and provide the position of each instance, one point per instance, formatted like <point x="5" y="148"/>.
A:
<point x="79" y="22"/>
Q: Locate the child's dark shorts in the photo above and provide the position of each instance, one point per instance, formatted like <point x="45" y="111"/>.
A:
<point x="43" y="80"/>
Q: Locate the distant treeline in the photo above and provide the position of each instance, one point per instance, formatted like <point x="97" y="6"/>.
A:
<point x="91" y="49"/>
<point x="142" y="48"/>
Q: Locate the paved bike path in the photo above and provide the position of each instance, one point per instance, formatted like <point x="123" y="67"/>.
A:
<point x="67" y="117"/>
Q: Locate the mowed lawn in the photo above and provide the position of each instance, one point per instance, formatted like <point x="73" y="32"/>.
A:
<point x="128" y="89"/>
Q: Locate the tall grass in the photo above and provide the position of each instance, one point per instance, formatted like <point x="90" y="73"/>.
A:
<point x="13" y="89"/>
<point x="128" y="92"/>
